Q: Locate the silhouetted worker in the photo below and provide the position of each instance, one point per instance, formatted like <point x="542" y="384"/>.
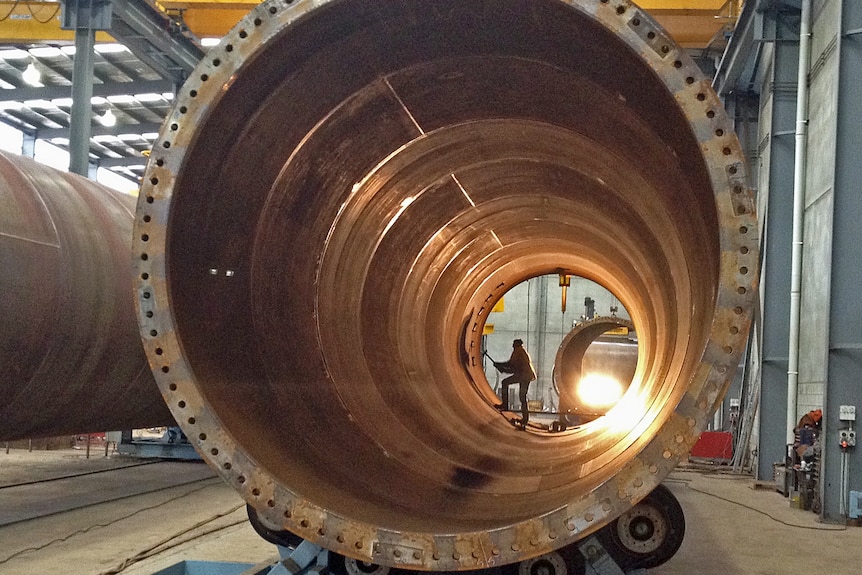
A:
<point x="521" y="367"/>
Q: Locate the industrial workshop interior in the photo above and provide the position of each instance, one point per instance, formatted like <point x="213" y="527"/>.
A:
<point x="376" y="287"/>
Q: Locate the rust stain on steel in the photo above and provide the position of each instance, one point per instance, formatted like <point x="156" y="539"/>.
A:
<point x="70" y="353"/>
<point x="343" y="186"/>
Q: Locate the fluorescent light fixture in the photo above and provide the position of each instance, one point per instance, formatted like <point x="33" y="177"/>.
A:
<point x="168" y="96"/>
<point x="108" y="119"/>
<point x="210" y="42"/>
<point x="122" y="99"/>
<point x="68" y="50"/>
<point x="59" y="141"/>
<point x="111" y="48"/>
<point x="98" y="101"/>
<point x="62" y="102"/>
<point x="39" y="104"/>
<point x="46" y="52"/>
<point x="148" y="97"/>
<point x="11" y="105"/>
<point x="150" y="135"/>
<point x="32" y="76"/>
<point x="14" y="54"/>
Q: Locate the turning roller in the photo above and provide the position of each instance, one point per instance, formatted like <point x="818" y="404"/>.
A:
<point x="344" y="189"/>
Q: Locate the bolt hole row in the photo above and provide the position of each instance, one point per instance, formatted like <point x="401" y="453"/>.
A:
<point x="732" y="170"/>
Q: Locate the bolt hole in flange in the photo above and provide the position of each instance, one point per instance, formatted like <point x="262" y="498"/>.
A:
<point x="370" y="191"/>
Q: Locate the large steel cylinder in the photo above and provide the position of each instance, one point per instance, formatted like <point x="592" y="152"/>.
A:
<point x="343" y="190"/>
<point x="580" y="355"/>
<point x="70" y="353"/>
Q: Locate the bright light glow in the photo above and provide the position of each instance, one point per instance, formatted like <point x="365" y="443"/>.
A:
<point x="62" y="102"/>
<point x="629" y="415"/>
<point x="129" y="137"/>
<point x="405" y="203"/>
<point x="210" y="42"/>
<point x="14" y="54"/>
<point x="32" y="76"/>
<point x="111" y="48"/>
<point x="50" y="155"/>
<point x="108" y="119"/>
<point x="150" y="135"/>
<point x="46" y="52"/>
<point x="168" y="96"/>
<point x="9" y="105"/>
<point x="6" y="85"/>
<point x="60" y="141"/>
<point x="106" y="139"/>
<point x="11" y="140"/>
<point x="68" y="50"/>
<point x="98" y="101"/>
<point x="116" y="181"/>
<point x="597" y="390"/>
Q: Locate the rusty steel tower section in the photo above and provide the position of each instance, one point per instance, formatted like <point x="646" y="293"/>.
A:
<point x="343" y="190"/>
<point x="71" y="356"/>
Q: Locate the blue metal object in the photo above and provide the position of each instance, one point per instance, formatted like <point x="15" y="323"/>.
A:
<point x="855" y="510"/>
<point x="305" y="558"/>
<point x="206" y="568"/>
<point x="844" y="336"/>
<point x="776" y="272"/>
<point x="736" y="79"/>
<point x="172" y="445"/>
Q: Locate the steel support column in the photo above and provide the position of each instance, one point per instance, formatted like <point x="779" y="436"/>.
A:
<point x="85" y="17"/>
<point x="843" y="385"/>
<point x="82" y="93"/>
<point x="28" y="145"/>
<point x="776" y="247"/>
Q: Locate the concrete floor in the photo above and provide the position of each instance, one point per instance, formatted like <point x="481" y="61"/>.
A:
<point x="138" y="519"/>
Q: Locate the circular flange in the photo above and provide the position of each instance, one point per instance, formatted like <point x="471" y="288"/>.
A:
<point x="303" y="152"/>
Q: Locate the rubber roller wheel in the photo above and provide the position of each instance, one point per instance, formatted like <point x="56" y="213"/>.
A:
<point x="341" y="565"/>
<point x="270" y="535"/>
<point x="648" y="534"/>
<point x="565" y="561"/>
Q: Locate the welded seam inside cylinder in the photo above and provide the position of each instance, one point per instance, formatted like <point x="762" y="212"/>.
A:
<point x="386" y="396"/>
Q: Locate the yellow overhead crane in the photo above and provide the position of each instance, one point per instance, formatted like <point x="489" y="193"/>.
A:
<point x="692" y="23"/>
